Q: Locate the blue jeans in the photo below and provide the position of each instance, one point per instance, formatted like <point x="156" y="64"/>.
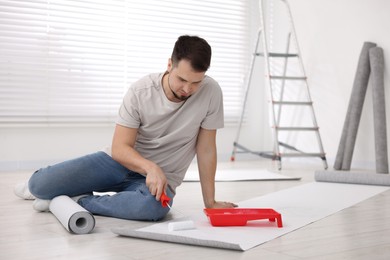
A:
<point x="99" y="172"/>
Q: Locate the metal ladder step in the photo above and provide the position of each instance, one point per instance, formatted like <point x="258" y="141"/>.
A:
<point x="278" y="128"/>
<point x="287" y="77"/>
<point x="279" y="55"/>
<point x="322" y="155"/>
<point x="297" y="103"/>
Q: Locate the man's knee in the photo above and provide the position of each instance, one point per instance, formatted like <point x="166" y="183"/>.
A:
<point x="38" y="186"/>
<point x="153" y="210"/>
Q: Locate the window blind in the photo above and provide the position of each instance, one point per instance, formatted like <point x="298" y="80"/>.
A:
<point x="71" y="61"/>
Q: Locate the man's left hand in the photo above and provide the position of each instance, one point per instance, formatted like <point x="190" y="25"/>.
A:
<point x="223" y="204"/>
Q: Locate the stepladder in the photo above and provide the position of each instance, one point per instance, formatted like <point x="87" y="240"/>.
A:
<point x="294" y="128"/>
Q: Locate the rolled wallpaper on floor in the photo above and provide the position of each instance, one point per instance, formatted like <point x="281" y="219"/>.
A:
<point x="299" y="206"/>
<point x="71" y="215"/>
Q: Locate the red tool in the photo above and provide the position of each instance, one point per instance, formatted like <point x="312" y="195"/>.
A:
<point x="165" y="200"/>
<point x="240" y="216"/>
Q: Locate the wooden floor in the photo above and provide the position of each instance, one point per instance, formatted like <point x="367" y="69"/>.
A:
<point x="358" y="232"/>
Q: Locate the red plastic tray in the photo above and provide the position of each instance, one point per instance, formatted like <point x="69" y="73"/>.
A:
<point x="240" y="216"/>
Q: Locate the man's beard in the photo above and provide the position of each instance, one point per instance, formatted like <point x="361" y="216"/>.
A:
<point x="181" y="98"/>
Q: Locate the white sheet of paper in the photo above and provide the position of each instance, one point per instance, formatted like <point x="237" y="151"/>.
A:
<point x="241" y="175"/>
<point x="299" y="206"/>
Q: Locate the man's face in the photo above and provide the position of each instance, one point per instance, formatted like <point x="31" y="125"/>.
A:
<point x="183" y="81"/>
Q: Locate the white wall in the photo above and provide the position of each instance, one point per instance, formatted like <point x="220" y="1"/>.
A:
<point x="330" y="33"/>
<point x="33" y="147"/>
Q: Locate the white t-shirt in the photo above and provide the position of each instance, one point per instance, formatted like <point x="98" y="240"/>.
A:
<point x="167" y="131"/>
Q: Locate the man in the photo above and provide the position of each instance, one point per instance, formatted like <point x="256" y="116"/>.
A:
<point x="164" y="120"/>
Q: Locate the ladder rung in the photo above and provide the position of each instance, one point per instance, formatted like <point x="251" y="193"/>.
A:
<point x="278" y="55"/>
<point x="302" y="155"/>
<point x="288" y="77"/>
<point x="296" y="128"/>
<point x="299" y="103"/>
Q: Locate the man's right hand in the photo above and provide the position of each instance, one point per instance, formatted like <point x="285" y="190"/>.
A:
<point x="156" y="181"/>
<point x="123" y="151"/>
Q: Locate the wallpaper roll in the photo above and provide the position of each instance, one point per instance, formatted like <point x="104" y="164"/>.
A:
<point x="71" y="215"/>
<point x="181" y="225"/>
<point x="355" y="106"/>
<point x="352" y="177"/>
<point x="378" y="95"/>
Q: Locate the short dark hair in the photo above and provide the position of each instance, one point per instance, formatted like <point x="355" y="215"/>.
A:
<point x="194" y="49"/>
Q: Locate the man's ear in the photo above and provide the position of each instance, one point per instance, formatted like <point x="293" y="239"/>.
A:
<point x="169" y="67"/>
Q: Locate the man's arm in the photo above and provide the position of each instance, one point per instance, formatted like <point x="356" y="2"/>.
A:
<point x="206" y="152"/>
<point x="123" y="152"/>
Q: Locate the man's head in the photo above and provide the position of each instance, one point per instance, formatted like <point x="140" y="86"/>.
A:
<point x="187" y="67"/>
<point x="193" y="49"/>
